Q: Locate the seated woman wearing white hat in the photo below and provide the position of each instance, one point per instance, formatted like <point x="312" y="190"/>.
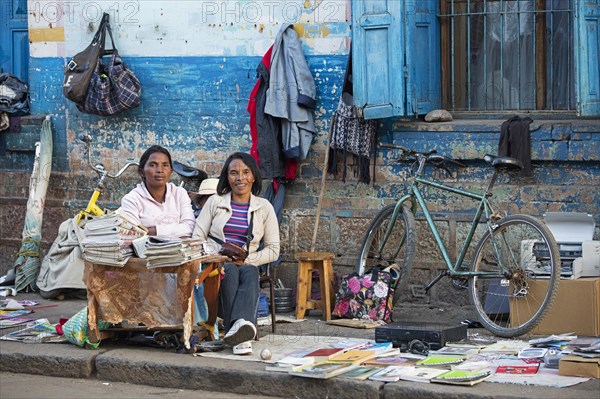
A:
<point x="207" y="188"/>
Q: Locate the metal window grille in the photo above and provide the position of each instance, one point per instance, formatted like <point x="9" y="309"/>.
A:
<point x="508" y="54"/>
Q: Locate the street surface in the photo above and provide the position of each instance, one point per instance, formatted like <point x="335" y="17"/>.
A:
<point x="29" y="386"/>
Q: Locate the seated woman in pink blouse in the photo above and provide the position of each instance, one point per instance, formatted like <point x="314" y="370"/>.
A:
<point x="162" y="207"/>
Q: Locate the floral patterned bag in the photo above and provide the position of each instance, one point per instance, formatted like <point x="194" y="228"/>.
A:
<point x="367" y="297"/>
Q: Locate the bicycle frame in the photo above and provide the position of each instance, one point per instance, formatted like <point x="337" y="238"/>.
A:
<point x="484" y="207"/>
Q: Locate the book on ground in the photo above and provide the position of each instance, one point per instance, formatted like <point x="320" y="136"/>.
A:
<point x="324" y="370"/>
<point x="553" y="340"/>
<point x="461" y="377"/>
<point x="433" y="360"/>
<point x="356" y="356"/>
<point x="471" y="343"/>
<point x="387" y="374"/>
<point x="584" y="342"/>
<point x="394" y="360"/>
<point x="454" y="351"/>
<point x="325" y="352"/>
<point x="471" y="365"/>
<point x="420" y="374"/>
<point x="507" y="347"/>
<point x="289" y="363"/>
<point x="516" y="369"/>
<point x="360" y="373"/>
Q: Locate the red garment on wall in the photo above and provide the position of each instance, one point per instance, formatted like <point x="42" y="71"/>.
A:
<point x="290" y="164"/>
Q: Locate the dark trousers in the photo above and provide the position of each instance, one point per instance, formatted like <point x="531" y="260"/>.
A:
<point x="239" y="294"/>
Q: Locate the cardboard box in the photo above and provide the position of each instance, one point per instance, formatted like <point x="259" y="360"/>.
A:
<point x="578" y="366"/>
<point x="576" y="308"/>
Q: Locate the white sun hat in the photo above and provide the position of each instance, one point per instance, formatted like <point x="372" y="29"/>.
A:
<point x="208" y="187"/>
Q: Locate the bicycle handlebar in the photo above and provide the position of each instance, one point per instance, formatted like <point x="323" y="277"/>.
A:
<point x="99" y="168"/>
<point x="408" y="152"/>
<point x="437" y="160"/>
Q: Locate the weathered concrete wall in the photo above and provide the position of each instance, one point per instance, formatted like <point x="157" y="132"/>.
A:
<point x="197" y="67"/>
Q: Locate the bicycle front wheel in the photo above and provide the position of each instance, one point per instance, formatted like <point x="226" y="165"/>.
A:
<point x="524" y="257"/>
<point x="398" y="248"/>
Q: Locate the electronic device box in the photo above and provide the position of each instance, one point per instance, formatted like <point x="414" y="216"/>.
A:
<point x="435" y="334"/>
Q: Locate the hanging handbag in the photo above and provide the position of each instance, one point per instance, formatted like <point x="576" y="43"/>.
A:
<point x="79" y="70"/>
<point x="235" y="252"/>
<point x="113" y="87"/>
<point x="368" y="297"/>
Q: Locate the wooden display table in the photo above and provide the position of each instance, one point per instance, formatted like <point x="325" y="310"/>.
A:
<point x="160" y="298"/>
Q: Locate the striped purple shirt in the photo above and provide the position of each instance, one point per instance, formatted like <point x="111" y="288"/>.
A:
<point x="236" y="229"/>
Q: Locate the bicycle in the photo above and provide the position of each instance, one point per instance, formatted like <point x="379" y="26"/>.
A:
<point x="514" y="252"/>
<point x="92" y="208"/>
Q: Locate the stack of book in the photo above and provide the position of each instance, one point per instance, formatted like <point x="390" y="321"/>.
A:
<point x="108" y="239"/>
<point x="585" y="347"/>
<point x="167" y="251"/>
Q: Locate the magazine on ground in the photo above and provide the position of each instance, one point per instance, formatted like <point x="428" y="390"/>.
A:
<point x="37" y="331"/>
<point x="15" y="321"/>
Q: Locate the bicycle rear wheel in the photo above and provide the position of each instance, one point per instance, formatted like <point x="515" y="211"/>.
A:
<point x="398" y="249"/>
<point x="523" y="253"/>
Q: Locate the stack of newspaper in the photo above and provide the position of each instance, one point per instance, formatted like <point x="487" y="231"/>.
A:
<point x="108" y="239"/>
<point x="168" y="251"/>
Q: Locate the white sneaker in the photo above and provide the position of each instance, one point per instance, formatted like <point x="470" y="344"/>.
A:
<point x="244" y="348"/>
<point x="241" y="331"/>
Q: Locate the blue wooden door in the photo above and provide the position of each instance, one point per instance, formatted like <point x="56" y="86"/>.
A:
<point x="378" y="58"/>
<point x="395" y="57"/>
<point x="422" y="30"/>
<point x="14" y="41"/>
<point x="588" y="53"/>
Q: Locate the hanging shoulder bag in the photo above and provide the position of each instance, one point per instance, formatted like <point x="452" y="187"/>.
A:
<point x="113" y="87"/>
<point x="79" y="69"/>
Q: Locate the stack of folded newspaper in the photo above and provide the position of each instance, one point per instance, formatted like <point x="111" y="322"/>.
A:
<point x="167" y="251"/>
<point x="108" y="239"/>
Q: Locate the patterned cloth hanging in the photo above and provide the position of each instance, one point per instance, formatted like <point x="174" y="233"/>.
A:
<point x="351" y="134"/>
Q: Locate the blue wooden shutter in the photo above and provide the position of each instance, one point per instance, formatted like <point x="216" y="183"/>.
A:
<point x="423" y="88"/>
<point x="14" y="41"/>
<point x="587" y="46"/>
<point x="378" y="58"/>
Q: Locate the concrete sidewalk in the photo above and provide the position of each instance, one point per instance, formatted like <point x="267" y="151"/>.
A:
<point x="115" y="361"/>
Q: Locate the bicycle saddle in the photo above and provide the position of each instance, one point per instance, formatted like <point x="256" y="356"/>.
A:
<point x="503" y="162"/>
<point x="188" y="171"/>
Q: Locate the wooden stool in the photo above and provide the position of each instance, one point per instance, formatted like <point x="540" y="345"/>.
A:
<point x="307" y="262"/>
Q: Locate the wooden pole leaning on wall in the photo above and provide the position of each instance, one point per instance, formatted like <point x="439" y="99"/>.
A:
<point x="313" y="260"/>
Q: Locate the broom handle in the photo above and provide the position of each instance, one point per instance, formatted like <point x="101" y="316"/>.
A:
<point x="323" y="176"/>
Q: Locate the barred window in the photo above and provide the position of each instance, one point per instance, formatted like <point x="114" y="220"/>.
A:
<point x="507" y="55"/>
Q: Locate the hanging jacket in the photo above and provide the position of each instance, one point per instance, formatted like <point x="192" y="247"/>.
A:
<point x="515" y="141"/>
<point x="291" y="94"/>
<point x="265" y="130"/>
